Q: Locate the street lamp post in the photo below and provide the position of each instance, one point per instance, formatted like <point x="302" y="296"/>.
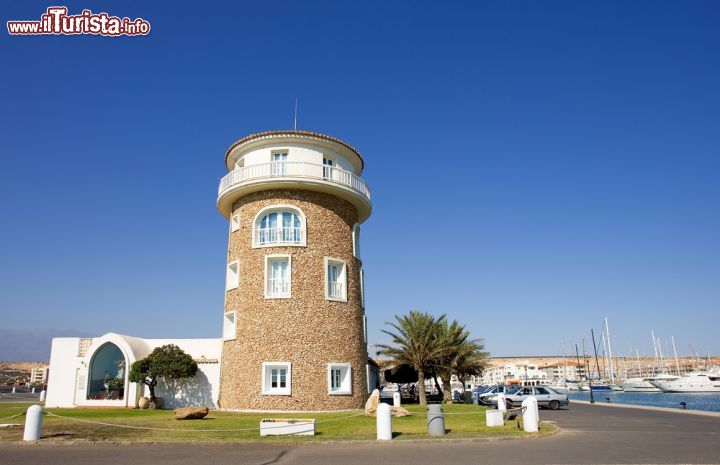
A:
<point x="589" y="378"/>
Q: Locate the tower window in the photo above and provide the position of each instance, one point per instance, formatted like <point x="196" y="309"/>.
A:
<point x="328" y="168"/>
<point x="339" y="379"/>
<point x="362" y="288"/>
<point x="234" y="222"/>
<point x="232" y="278"/>
<point x="279" y="163"/>
<point x="335" y="279"/>
<point x="276" y="378"/>
<point x="279" y="226"/>
<point x="277" y="276"/>
<point x="356" y="240"/>
<point x="229" y="326"/>
<point x="365" y="329"/>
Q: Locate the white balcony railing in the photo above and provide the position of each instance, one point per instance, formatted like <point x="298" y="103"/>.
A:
<point x="293" y="169"/>
<point x="290" y="235"/>
<point x="278" y="287"/>
<point x="336" y="290"/>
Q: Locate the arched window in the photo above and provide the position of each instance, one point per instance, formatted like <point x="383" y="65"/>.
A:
<point x="279" y="226"/>
<point x="107" y="373"/>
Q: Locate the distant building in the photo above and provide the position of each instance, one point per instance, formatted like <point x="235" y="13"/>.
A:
<point x="39" y="375"/>
<point x="522" y="372"/>
<point x="561" y="371"/>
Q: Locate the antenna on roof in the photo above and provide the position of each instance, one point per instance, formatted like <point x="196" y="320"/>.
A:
<point x="295" y="121"/>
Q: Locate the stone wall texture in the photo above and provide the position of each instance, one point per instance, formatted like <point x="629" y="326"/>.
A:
<point x="306" y="329"/>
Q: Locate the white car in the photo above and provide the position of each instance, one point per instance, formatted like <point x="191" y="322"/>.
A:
<point x="546" y="397"/>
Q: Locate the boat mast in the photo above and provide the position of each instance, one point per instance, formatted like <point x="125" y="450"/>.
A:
<point x="657" y="363"/>
<point x="607" y="331"/>
<point x="677" y="365"/>
<point x="637" y="354"/>
<point x="597" y="364"/>
<point x="564" y="363"/>
<point x="662" y="360"/>
<point x="603" y="352"/>
<point x="697" y="358"/>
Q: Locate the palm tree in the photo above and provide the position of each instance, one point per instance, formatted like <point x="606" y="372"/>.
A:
<point x="459" y="355"/>
<point x="474" y="364"/>
<point x="414" y="342"/>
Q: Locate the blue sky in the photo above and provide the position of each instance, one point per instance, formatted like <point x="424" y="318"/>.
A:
<point x="534" y="166"/>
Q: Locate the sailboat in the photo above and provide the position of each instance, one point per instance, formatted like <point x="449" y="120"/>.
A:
<point x="611" y="386"/>
<point x="644" y="383"/>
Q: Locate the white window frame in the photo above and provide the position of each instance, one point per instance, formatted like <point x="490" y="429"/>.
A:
<point x="329" y="165"/>
<point x="368" y="369"/>
<point x="365" y="329"/>
<point x="343" y="274"/>
<point x="346" y="384"/>
<point x="266" y="379"/>
<point x="356" y="240"/>
<point x="235" y="222"/>
<point x="277" y="209"/>
<point x="362" y="288"/>
<point x="279" y="167"/>
<point x="230" y="326"/>
<point x="230" y="281"/>
<point x="268" y="259"/>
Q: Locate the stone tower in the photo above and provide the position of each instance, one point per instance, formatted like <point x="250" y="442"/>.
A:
<point x="294" y="332"/>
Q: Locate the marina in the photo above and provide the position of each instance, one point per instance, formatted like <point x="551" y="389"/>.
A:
<point x="709" y="402"/>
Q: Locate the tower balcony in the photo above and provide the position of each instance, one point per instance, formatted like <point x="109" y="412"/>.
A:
<point x="294" y="175"/>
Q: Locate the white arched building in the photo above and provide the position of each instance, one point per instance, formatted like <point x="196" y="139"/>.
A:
<point x="93" y="372"/>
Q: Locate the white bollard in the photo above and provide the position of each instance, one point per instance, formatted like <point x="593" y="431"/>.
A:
<point x="396" y="399"/>
<point x="13" y="389"/>
<point x="33" y="391"/>
<point x="501" y="403"/>
<point x="530" y="415"/>
<point x="494" y="418"/>
<point x="33" y="423"/>
<point x="42" y="395"/>
<point x="384" y="422"/>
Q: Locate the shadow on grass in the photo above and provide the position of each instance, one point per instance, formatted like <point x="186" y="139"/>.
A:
<point x="57" y="435"/>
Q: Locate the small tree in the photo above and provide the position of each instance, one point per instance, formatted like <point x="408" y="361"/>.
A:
<point x="168" y="362"/>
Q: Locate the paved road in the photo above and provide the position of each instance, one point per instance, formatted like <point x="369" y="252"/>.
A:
<point x="19" y="397"/>
<point x="591" y="434"/>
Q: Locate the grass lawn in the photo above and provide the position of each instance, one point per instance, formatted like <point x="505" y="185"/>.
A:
<point x="461" y="421"/>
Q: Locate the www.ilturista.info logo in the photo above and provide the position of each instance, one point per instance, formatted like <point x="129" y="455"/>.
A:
<point x="56" y="21"/>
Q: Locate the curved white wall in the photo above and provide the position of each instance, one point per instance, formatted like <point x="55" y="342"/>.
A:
<point x="296" y="153"/>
